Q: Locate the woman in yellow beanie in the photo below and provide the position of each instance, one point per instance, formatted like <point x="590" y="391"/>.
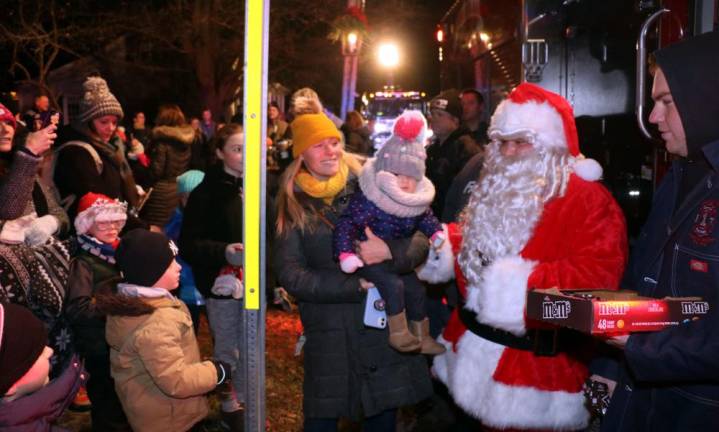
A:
<point x="350" y="370"/>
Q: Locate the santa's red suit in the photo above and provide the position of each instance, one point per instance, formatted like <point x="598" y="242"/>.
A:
<point x="578" y="242"/>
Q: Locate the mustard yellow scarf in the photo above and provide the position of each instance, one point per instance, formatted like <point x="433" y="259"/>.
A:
<point x="328" y="189"/>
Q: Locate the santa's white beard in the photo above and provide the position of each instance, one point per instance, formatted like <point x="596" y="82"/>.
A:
<point x="506" y="204"/>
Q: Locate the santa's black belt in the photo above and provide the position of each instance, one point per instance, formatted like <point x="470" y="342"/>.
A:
<point x="540" y="342"/>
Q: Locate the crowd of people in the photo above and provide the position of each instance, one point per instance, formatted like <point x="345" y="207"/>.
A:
<point x="100" y="225"/>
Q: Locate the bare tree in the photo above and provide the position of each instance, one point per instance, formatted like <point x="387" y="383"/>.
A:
<point x="36" y="33"/>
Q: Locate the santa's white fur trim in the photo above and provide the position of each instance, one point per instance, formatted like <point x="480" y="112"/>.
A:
<point x="501" y="405"/>
<point x="587" y="169"/>
<point x="538" y="123"/>
<point x="101" y="211"/>
<point x="439" y="266"/>
<point x="501" y="296"/>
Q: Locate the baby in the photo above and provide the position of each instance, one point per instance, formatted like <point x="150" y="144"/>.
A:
<point x="393" y="202"/>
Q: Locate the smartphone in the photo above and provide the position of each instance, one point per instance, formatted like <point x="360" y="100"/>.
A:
<point x="374" y="310"/>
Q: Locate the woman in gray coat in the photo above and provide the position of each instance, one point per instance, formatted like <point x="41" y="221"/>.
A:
<point x="350" y="370"/>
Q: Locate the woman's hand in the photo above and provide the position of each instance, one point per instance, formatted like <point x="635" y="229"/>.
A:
<point x="373" y="250"/>
<point x="39" y="142"/>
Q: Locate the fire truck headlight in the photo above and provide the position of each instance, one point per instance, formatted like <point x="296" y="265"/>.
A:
<point x="381" y="127"/>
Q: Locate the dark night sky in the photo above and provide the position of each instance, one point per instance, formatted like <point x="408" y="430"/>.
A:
<point x="413" y="29"/>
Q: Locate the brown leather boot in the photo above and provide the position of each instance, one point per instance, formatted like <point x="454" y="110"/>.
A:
<point x="399" y="336"/>
<point x="427" y="344"/>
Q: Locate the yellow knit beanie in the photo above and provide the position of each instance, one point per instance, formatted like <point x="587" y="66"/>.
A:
<point x="309" y="129"/>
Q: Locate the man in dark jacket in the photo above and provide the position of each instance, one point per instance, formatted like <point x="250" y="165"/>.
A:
<point x="472" y="112"/>
<point x="451" y="147"/>
<point x="671" y="378"/>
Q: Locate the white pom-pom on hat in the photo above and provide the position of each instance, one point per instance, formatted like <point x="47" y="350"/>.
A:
<point x="587" y="169"/>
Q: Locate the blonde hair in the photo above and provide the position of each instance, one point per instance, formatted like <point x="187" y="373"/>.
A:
<point x="290" y="213"/>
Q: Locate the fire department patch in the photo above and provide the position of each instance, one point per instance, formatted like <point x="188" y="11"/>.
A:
<point x="700" y="266"/>
<point x="702" y="233"/>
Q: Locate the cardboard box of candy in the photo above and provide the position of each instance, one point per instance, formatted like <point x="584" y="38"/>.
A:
<point x="606" y="312"/>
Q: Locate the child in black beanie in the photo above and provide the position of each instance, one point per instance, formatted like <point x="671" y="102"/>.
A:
<point x="155" y="360"/>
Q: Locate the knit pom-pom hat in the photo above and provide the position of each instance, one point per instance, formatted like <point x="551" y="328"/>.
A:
<point x="97" y="101"/>
<point x="404" y="153"/>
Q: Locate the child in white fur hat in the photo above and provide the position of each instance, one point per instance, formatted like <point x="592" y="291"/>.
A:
<point x="94" y="272"/>
<point x="393" y="202"/>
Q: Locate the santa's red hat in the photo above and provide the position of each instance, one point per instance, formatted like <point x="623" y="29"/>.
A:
<point x="94" y="207"/>
<point x="544" y="119"/>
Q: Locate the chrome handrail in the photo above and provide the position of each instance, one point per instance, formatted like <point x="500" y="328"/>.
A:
<point x="642" y="70"/>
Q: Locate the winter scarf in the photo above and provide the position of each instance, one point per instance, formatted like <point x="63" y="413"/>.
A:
<point x="327" y="189"/>
<point x="95" y="247"/>
<point x="116" y="154"/>
<point x="382" y="189"/>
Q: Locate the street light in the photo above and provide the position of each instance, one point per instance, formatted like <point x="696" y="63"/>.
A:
<point x="349" y="29"/>
<point x="352" y="42"/>
<point x="351" y="45"/>
<point x="388" y="57"/>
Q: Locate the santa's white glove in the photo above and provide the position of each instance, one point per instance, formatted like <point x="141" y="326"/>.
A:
<point x="41" y="229"/>
<point x="350" y="263"/>
<point x="234" y="253"/>
<point x="439" y="267"/>
<point x="228" y="285"/>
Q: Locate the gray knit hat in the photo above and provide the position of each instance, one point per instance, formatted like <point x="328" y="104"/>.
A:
<point x="97" y="101"/>
<point x="404" y="153"/>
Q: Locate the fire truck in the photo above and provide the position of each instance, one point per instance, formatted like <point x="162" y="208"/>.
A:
<point x="382" y="107"/>
<point x="592" y="52"/>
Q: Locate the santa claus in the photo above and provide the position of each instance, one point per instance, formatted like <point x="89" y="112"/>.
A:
<point x="537" y="219"/>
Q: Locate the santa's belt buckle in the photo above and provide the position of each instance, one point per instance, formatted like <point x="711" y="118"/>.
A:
<point x="544" y="342"/>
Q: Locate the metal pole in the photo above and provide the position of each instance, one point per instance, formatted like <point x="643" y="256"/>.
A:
<point x="349" y="75"/>
<point x="255" y="122"/>
<point x="346" y="72"/>
<point x="353" y="85"/>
